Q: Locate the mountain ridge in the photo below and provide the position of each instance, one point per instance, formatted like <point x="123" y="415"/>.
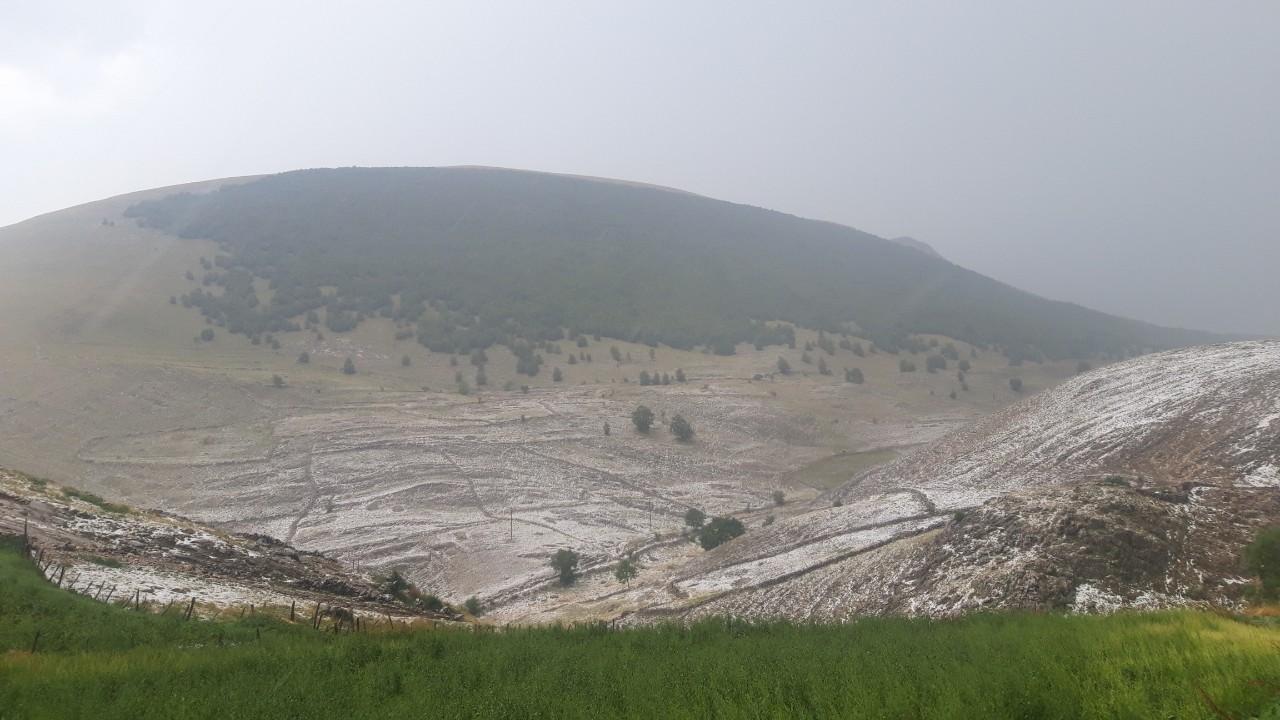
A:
<point x="466" y="257"/>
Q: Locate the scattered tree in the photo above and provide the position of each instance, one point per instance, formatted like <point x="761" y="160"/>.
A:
<point x="395" y="584"/>
<point x="719" y="531"/>
<point x="473" y="606"/>
<point x="822" y="366"/>
<point x="565" y="563"/>
<point x="680" y="375"/>
<point x="277" y="381"/>
<point x="206" y="335"/>
<point x="853" y="375"/>
<point x="349" y="367"/>
<point x="557" y="375"/>
<point x="642" y="418"/>
<point x="779" y="498"/>
<point x="694" y="518"/>
<point x="784" y="367"/>
<point x="625" y="571"/>
<point x="681" y="428"/>
<point x="304" y="357"/>
<point x="1015" y="384"/>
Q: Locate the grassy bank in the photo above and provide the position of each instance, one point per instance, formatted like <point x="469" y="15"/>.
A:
<point x="99" y="661"/>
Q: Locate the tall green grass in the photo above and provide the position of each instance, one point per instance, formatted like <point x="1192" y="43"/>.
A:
<point x="105" y="662"/>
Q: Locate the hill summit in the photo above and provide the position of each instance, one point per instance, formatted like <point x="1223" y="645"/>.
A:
<point x="467" y="257"/>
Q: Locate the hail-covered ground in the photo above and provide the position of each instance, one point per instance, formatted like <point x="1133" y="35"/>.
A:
<point x="165" y="563"/>
<point x="1133" y="486"/>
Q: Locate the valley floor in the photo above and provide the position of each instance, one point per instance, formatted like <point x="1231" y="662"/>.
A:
<point x="96" y="660"/>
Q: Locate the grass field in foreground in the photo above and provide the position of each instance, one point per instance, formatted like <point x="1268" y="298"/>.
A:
<point x="103" y="661"/>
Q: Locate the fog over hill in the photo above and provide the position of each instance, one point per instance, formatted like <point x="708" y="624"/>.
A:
<point x="466" y="257"/>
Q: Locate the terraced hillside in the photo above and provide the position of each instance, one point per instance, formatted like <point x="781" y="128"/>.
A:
<point x="165" y="563"/>
<point x="1135" y="485"/>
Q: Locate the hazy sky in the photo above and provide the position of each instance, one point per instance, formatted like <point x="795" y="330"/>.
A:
<point x="1124" y="155"/>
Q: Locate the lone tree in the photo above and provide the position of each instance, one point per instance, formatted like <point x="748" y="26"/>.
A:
<point x="395" y="584"/>
<point x="277" y="381"/>
<point x="473" y="606"/>
<point x="1015" y="384"/>
<point x="784" y="367"/>
<point x="719" y="531"/>
<point x="681" y="428"/>
<point x="694" y="518"/>
<point x="642" y="418"/>
<point x="349" y="367"/>
<point x="557" y="375"/>
<point x="625" y="571"/>
<point x="779" y="497"/>
<point x="1262" y="558"/>
<point x="565" y="563"/>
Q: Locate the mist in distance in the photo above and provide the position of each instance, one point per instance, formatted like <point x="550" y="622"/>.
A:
<point x="1124" y="157"/>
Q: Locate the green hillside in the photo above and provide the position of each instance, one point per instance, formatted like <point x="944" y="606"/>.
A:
<point x="101" y="661"/>
<point x="466" y="257"/>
